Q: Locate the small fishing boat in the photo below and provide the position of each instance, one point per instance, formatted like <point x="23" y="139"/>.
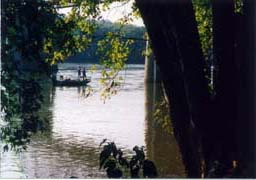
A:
<point x="64" y="80"/>
<point x="71" y="82"/>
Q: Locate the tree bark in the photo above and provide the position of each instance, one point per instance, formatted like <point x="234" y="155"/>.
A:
<point x="247" y="113"/>
<point x="226" y="85"/>
<point x="173" y="33"/>
<point x="174" y="36"/>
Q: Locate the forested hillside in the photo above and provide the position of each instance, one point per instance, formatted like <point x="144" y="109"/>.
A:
<point x="130" y="31"/>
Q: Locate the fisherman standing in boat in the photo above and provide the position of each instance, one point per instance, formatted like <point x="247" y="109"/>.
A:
<point x="84" y="73"/>
<point x="79" y="72"/>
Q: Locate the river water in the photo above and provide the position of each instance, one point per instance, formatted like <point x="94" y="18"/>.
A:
<point x="79" y="124"/>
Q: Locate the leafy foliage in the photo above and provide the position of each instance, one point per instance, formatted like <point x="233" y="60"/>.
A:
<point x="71" y="34"/>
<point x="23" y="68"/>
<point x="132" y="32"/>
<point x="203" y="14"/>
<point x="117" y="166"/>
<point x="239" y="6"/>
<point x="34" y="36"/>
<point x="113" y="59"/>
<point x="162" y="115"/>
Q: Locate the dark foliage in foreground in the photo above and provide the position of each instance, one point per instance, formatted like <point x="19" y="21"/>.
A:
<point x="117" y="166"/>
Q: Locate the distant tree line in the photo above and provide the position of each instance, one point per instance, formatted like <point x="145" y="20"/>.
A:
<point x="132" y="32"/>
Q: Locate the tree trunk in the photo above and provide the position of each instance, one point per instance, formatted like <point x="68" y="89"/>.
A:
<point x="173" y="33"/>
<point x="247" y="99"/>
<point x="226" y="85"/>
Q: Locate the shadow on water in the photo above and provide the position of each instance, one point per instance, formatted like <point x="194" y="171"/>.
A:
<point x="161" y="144"/>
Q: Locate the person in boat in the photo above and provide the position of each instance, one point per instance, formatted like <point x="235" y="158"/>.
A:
<point x="79" y="72"/>
<point x="84" y="73"/>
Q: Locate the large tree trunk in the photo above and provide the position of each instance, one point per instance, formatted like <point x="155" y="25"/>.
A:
<point x="226" y="85"/>
<point x="235" y="101"/>
<point x="173" y="33"/>
<point x="247" y="101"/>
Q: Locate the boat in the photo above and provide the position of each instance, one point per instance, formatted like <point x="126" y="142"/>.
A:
<point x="70" y="82"/>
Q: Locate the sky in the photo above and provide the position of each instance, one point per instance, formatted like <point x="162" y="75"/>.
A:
<point x="116" y="11"/>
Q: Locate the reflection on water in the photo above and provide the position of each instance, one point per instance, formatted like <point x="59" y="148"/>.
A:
<point x="161" y="145"/>
<point x="71" y="147"/>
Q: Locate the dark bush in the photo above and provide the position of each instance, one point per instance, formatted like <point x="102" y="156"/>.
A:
<point x="117" y="166"/>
